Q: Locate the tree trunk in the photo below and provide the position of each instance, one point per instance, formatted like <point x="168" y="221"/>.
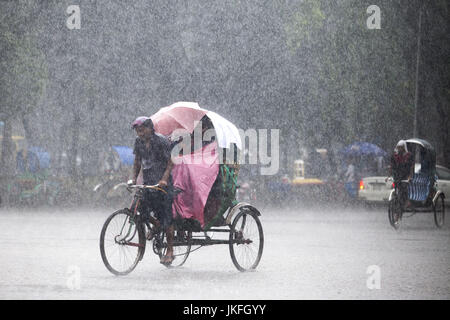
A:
<point x="443" y="129"/>
<point x="6" y="162"/>
<point x="28" y="132"/>
<point x="73" y="172"/>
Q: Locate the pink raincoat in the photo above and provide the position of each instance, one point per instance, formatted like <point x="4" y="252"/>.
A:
<point x="195" y="174"/>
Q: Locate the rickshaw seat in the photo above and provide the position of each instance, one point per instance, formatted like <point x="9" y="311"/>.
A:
<point x="419" y="187"/>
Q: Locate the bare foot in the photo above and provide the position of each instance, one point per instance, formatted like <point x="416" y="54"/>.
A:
<point x="167" y="259"/>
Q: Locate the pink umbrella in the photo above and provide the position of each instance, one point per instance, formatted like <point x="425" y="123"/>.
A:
<point x="180" y="115"/>
<point x="185" y="115"/>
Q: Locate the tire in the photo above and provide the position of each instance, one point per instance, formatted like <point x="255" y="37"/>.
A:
<point x="439" y="212"/>
<point x="394" y="213"/>
<point x="121" y="258"/>
<point x="181" y="253"/>
<point x="246" y="227"/>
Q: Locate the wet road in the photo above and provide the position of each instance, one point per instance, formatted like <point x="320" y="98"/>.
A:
<point x="309" y="253"/>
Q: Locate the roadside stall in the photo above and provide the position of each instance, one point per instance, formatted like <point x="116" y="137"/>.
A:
<point x="30" y="185"/>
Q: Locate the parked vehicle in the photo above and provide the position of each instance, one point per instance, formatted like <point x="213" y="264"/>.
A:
<point x="443" y="181"/>
<point x="374" y="189"/>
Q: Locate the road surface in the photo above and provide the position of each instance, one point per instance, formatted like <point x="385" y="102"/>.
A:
<point x="309" y="253"/>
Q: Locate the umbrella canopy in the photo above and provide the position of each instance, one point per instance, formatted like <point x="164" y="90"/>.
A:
<point x="180" y="115"/>
<point x="185" y="115"/>
<point x="226" y="132"/>
<point x="363" y="149"/>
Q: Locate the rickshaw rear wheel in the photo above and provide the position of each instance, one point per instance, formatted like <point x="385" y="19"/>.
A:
<point x="439" y="211"/>
<point x="394" y="212"/>
<point x="122" y="242"/>
<point x="246" y="241"/>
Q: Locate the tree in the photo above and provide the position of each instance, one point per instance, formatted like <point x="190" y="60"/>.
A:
<point x="357" y="82"/>
<point x="23" y="73"/>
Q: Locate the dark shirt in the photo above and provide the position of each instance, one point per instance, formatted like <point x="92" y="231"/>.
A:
<point x="155" y="159"/>
<point x="401" y="165"/>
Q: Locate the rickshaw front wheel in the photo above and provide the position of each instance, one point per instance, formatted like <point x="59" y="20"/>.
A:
<point x="122" y="242"/>
<point x="394" y="212"/>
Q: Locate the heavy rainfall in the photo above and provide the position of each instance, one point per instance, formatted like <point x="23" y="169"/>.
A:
<point x="323" y="86"/>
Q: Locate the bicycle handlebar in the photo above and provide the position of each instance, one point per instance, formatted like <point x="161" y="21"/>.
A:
<point x="392" y="180"/>
<point x="143" y="186"/>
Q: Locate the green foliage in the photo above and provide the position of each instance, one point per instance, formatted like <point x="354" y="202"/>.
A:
<point x="23" y="69"/>
<point x="304" y="25"/>
<point x="362" y="80"/>
<point x="310" y="68"/>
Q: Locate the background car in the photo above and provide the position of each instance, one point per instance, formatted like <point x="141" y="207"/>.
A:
<point x="376" y="190"/>
<point x="443" y="181"/>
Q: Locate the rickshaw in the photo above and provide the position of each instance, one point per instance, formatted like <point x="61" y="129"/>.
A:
<point x="126" y="232"/>
<point x="422" y="191"/>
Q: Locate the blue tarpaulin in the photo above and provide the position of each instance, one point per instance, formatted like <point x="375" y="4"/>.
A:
<point x="38" y="159"/>
<point x="125" y="154"/>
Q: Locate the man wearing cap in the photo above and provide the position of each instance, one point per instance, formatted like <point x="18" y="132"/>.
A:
<point x="153" y="154"/>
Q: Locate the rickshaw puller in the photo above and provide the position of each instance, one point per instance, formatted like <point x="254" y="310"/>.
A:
<point x="153" y="153"/>
<point x="402" y="168"/>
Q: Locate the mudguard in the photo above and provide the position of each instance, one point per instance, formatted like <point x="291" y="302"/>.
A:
<point x="237" y="208"/>
<point x="391" y="195"/>
<point x="437" y="195"/>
